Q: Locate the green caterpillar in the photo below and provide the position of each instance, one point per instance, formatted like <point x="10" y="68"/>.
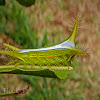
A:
<point x="53" y="61"/>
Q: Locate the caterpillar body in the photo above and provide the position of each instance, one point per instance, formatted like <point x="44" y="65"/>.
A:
<point x="49" y="57"/>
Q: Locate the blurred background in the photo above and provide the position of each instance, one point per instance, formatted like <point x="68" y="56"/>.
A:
<point x="45" y="23"/>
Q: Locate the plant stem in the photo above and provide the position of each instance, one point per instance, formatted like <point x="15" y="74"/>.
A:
<point x="7" y="94"/>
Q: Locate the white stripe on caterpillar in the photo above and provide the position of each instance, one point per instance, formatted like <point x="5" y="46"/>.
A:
<point x="63" y="45"/>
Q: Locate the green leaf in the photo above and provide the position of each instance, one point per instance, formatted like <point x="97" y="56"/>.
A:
<point x="26" y="3"/>
<point x="57" y="72"/>
<point x="62" y="74"/>
<point x="2" y="2"/>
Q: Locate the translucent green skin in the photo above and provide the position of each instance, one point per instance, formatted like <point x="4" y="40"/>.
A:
<point x="41" y="58"/>
<point x="45" y="58"/>
<point x="51" y="57"/>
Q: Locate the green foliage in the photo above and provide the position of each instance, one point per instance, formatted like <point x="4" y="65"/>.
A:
<point x="45" y="39"/>
<point x="61" y="4"/>
<point x="17" y="25"/>
<point x="48" y="18"/>
<point x="26" y="3"/>
<point x="2" y="2"/>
